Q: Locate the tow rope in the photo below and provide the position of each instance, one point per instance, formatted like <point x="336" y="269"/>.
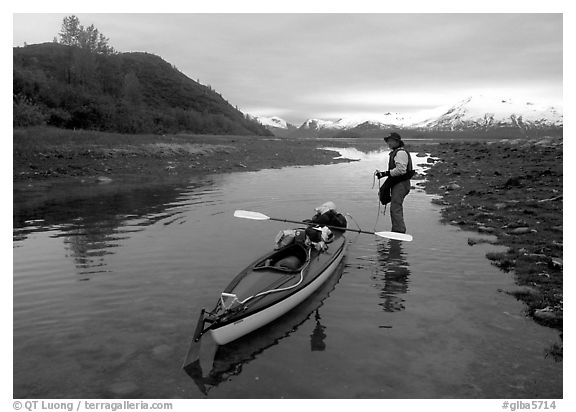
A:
<point x="379" y="203"/>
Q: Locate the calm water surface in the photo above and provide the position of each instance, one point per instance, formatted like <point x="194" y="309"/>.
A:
<point x="108" y="286"/>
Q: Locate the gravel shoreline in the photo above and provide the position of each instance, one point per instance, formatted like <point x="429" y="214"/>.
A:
<point x="513" y="191"/>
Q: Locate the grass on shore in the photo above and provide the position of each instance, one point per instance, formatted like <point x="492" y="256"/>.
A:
<point x="35" y="139"/>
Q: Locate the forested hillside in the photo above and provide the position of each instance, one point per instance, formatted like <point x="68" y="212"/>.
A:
<point x="76" y="88"/>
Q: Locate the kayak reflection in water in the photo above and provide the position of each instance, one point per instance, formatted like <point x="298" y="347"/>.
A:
<point x="392" y="275"/>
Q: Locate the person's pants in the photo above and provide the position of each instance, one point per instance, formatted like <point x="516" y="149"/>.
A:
<point x="398" y="193"/>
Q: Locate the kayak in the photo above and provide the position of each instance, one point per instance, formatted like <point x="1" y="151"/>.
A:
<point x="268" y="288"/>
<point x="221" y="363"/>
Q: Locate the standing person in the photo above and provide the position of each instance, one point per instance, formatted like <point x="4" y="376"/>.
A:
<point x="397" y="184"/>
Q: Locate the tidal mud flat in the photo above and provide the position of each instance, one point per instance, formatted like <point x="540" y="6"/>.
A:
<point x="45" y="153"/>
<point x="512" y="190"/>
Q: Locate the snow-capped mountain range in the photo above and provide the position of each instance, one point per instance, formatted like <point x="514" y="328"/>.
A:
<point x="480" y="112"/>
<point x="276" y="125"/>
<point x="476" y="113"/>
<point x="271" y="121"/>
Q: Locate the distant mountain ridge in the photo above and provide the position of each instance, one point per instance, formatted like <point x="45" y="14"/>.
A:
<point x="69" y="87"/>
<point x="474" y="113"/>
<point x="479" y="112"/>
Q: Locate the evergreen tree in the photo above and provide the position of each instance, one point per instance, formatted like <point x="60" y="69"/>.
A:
<point x="70" y="31"/>
<point x="102" y="46"/>
<point x="88" y="38"/>
<point x="73" y="33"/>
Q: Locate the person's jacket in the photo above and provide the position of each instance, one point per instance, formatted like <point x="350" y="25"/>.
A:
<point x="385" y="193"/>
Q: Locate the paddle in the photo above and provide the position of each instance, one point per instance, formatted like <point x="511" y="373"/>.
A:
<point x="197" y="352"/>
<point x="244" y="214"/>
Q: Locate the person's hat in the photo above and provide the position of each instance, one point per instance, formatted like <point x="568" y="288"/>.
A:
<point x="394" y="136"/>
<point x="325" y="208"/>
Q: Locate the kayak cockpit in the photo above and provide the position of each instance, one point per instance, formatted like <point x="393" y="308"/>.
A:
<point x="278" y="271"/>
<point x="290" y="259"/>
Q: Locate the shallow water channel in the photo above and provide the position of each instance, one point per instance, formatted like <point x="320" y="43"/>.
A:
<point x="108" y="287"/>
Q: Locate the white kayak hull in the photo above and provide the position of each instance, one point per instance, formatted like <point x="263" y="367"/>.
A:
<point x="244" y="326"/>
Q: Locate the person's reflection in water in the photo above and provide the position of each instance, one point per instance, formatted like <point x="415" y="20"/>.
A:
<point x="317" y="338"/>
<point x="392" y="275"/>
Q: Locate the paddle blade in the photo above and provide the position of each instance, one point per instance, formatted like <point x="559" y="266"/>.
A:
<point x="395" y="236"/>
<point x="193" y="354"/>
<point x="245" y="214"/>
<point x="194" y="350"/>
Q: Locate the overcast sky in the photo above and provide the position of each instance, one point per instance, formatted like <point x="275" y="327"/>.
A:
<point x="300" y="66"/>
